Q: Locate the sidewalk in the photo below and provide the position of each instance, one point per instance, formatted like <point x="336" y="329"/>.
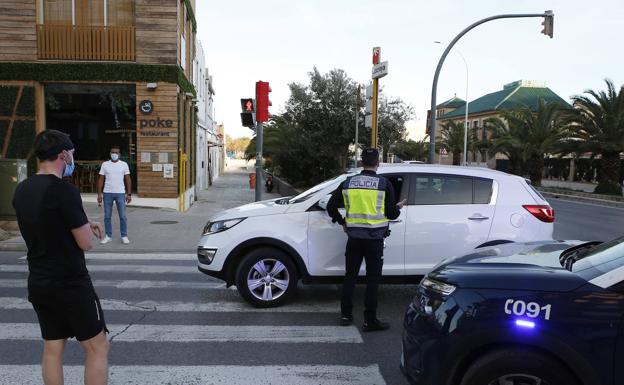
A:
<point x="576" y="186"/>
<point x="177" y="232"/>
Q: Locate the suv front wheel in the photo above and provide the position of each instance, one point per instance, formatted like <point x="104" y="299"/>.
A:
<point x="266" y="277"/>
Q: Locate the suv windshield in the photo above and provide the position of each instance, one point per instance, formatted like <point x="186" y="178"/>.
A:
<point x="601" y="259"/>
<point x="308" y="193"/>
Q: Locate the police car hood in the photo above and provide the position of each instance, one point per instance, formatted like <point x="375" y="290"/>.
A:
<point x="513" y="266"/>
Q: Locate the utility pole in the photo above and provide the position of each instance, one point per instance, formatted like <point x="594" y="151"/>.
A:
<point x="548" y="24"/>
<point x="379" y="70"/>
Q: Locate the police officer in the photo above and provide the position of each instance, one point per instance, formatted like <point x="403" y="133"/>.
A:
<point x="369" y="202"/>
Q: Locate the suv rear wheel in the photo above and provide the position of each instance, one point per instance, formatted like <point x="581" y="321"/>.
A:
<point x="517" y="367"/>
<point x="266" y="277"/>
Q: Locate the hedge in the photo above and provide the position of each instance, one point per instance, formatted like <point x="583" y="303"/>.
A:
<point x="130" y="72"/>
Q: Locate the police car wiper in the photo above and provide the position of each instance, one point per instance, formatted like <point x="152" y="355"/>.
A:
<point x="573" y="254"/>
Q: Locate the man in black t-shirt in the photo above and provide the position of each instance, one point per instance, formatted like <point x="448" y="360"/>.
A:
<point x="57" y="232"/>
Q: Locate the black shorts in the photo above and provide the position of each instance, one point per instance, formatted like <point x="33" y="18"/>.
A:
<point x="82" y="318"/>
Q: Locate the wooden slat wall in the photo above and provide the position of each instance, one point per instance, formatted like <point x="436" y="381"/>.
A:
<point x="164" y="98"/>
<point x="18" y="38"/>
<point x="156" y="31"/>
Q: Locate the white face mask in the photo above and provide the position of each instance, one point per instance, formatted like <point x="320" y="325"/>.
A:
<point x="114" y="157"/>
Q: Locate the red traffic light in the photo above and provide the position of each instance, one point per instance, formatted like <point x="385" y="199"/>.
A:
<point x="262" y="101"/>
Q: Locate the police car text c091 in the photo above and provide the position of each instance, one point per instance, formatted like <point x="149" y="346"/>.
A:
<point x="540" y="313"/>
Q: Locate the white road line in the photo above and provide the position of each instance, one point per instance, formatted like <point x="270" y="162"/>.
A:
<point x="141" y="269"/>
<point x="209" y="375"/>
<point x="130" y="284"/>
<point x="206" y="333"/>
<point x="16" y="303"/>
<point x="138" y="256"/>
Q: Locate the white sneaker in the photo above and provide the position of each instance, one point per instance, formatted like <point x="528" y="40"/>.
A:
<point x="106" y="240"/>
<point x="125" y="240"/>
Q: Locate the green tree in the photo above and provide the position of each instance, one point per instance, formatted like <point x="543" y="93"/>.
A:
<point x="412" y="150"/>
<point x="393" y="114"/>
<point x="452" y="139"/>
<point x="526" y="136"/>
<point x="597" y="126"/>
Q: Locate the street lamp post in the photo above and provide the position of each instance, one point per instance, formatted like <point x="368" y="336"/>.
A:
<point x="548" y="18"/>
<point x="465" y="153"/>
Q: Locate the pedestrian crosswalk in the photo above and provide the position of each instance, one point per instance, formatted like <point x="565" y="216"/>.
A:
<point x="170" y="324"/>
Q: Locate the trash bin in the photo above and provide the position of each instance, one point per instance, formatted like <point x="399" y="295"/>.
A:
<point x="12" y="172"/>
<point x="252" y="180"/>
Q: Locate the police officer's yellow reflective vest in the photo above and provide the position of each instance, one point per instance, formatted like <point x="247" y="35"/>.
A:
<point x="364" y="200"/>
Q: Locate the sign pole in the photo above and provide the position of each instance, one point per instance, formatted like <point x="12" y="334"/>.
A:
<point x="258" y="161"/>
<point x="357" y="106"/>
<point x="375" y="102"/>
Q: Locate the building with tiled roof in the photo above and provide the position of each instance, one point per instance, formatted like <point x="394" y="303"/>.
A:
<point x="520" y="93"/>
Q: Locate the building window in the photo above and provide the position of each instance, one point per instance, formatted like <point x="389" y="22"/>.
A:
<point x="89" y="12"/>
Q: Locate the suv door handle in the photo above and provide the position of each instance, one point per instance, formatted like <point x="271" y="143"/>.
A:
<point x="396" y="221"/>
<point x="477" y="217"/>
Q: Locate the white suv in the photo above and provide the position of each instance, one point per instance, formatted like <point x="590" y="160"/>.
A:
<point x="264" y="248"/>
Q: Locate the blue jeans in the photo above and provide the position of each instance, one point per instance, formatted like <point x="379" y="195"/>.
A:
<point x="120" y="200"/>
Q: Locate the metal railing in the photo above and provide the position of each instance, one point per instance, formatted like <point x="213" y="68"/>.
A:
<point x="79" y="42"/>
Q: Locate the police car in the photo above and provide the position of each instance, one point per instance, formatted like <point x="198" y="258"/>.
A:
<point x="547" y="313"/>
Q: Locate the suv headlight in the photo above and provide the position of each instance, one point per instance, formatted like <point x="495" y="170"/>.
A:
<point x="437" y="287"/>
<point x="218" y="226"/>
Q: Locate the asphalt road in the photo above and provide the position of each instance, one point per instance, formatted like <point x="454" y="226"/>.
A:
<point x="171" y="324"/>
<point x="586" y="222"/>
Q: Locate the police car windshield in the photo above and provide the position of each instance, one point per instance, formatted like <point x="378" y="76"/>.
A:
<point x="308" y="193"/>
<point x="600" y="259"/>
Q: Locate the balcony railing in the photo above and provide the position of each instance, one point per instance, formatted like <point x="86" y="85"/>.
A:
<point x="78" y="42"/>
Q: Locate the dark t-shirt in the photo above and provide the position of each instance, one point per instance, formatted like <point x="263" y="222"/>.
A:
<point x="47" y="209"/>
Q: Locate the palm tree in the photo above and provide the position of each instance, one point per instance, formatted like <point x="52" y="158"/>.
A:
<point x="452" y="139"/>
<point x="412" y="150"/>
<point x="598" y="128"/>
<point x="525" y="136"/>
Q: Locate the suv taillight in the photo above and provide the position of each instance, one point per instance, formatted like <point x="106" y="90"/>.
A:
<point x="544" y="213"/>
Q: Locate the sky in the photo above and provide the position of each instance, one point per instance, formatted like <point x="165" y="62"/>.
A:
<point x="280" y="41"/>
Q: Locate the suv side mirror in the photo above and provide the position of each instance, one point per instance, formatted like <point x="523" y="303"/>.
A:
<point x="323" y="202"/>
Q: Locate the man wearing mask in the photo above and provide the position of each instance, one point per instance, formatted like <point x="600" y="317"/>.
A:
<point x="57" y="233"/>
<point x="369" y="202"/>
<point x="114" y="185"/>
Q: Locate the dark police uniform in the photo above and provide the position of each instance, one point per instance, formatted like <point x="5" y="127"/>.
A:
<point x="369" y="202"/>
<point x="59" y="286"/>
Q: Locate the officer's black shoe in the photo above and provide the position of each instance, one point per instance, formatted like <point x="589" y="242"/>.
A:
<point x="375" y="326"/>
<point x="346" y="320"/>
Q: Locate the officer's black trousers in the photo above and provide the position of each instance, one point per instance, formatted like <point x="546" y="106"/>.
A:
<point x="371" y="250"/>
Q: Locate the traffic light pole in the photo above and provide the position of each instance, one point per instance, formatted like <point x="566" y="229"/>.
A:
<point x="259" y="135"/>
<point x="434" y="88"/>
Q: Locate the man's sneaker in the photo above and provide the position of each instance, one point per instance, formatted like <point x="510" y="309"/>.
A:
<point x="375" y="326"/>
<point x="106" y="240"/>
<point x="125" y="240"/>
<point x="346" y="320"/>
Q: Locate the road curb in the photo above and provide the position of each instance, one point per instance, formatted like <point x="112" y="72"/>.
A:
<point x="576" y="198"/>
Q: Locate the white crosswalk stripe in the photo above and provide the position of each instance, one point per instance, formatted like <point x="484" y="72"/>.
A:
<point x="208" y="375"/>
<point x="188" y="301"/>
<point x="129" y="284"/>
<point x="8" y="303"/>
<point x="205" y="333"/>
<point x="138" y="257"/>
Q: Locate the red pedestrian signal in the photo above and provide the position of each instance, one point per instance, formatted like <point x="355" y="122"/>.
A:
<point x="262" y="101"/>
<point x="248" y="107"/>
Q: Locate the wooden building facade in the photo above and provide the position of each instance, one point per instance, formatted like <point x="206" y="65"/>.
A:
<point x="106" y="72"/>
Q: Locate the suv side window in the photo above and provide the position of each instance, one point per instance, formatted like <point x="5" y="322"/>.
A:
<point x="440" y="189"/>
<point x="399" y="182"/>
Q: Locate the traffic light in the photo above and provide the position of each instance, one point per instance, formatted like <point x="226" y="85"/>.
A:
<point x="262" y="101"/>
<point x="248" y="116"/>
<point x="548" y="22"/>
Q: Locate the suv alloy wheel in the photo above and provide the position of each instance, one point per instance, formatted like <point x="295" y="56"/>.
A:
<point x="266" y="277"/>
